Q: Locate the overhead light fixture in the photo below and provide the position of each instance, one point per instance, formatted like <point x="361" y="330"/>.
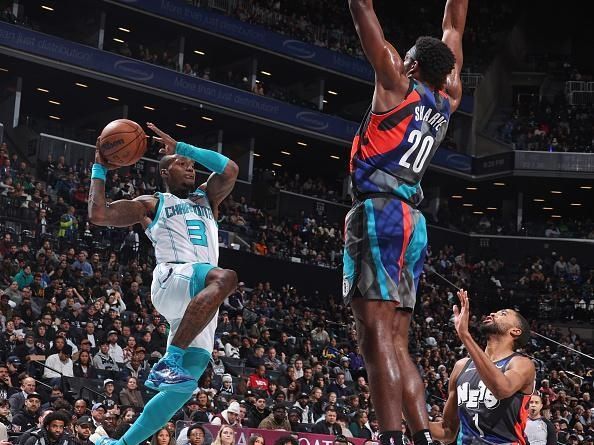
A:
<point x="115" y="99"/>
<point x="82" y="85"/>
<point x="556" y="192"/>
<point x="324" y="101"/>
<point x="181" y="125"/>
<point x="548" y="208"/>
<point x="146" y="107"/>
<point x="276" y="164"/>
<point x="555" y="216"/>
<point x="586" y="187"/>
<point x="55" y="102"/>
<point x="4" y="70"/>
<point x="257" y="155"/>
<point x="200" y="53"/>
<point x="206" y="118"/>
<point x="466" y="204"/>
<point x="491" y="208"/>
<point x="47" y="8"/>
<point x="266" y="73"/>
<point x="334" y="157"/>
<point x="538" y="200"/>
<point x="51" y="116"/>
<point x="456" y="196"/>
<point x="124" y="29"/>
<point x="115" y="39"/>
<point x="576" y="204"/>
<point x="499" y="183"/>
<point x="303" y="144"/>
<point x="471" y="188"/>
<point x="334" y="93"/>
<point x="43" y="90"/>
<point x="478" y="212"/>
<point x="286" y="153"/>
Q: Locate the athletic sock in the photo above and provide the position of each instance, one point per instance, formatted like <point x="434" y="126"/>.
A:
<point x="422" y="437"/>
<point x="390" y="437"/>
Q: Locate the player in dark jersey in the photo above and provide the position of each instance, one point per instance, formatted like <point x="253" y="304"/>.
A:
<point x="385" y="235"/>
<point x="489" y="393"/>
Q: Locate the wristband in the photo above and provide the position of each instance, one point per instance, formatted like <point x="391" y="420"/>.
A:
<point x="99" y="172"/>
<point x="212" y="160"/>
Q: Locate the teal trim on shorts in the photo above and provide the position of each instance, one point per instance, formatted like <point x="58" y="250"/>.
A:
<point x="198" y="280"/>
<point x="158" y="212"/>
<point x="375" y="251"/>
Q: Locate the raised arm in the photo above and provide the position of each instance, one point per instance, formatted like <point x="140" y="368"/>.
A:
<point x="446" y="430"/>
<point x="454" y="21"/>
<point x="121" y="213"/>
<point x="382" y="55"/>
<point x="218" y="186"/>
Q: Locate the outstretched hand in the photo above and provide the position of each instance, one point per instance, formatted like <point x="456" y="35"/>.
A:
<point x="99" y="159"/>
<point x="168" y="142"/>
<point x="462" y="314"/>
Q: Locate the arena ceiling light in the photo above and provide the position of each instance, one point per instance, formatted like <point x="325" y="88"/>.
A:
<point x="206" y="118"/>
<point x="467" y="204"/>
<point x="3" y="70"/>
<point x="181" y="125"/>
<point x="56" y="118"/>
<point x="43" y="90"/>
<point x="471" y="188"/>
<point x="115" y="39"/>
<point x="556" y="192"/>
<point x="257" y="155"/>
<point x="146" y="107"/>
<point x="200" y="53"/>
<point x="303" y="144"/>
<point x="325" y="101"/>
<point x="334" y="157"/>
<point x="334" y="93"/>
<point x="124" y="29"/>
<point x="555" y="216"/>
<point x="456" y="196"/>
<point x="478" y="212"/>
<point x="115" y="99"/>
<point x="586" y="187"/>
<point x="576" y="204"/>
<point x="499" y="184"/>
<point x="82" y="85"/>
<point x="55" y="102"/>
<point x="47" y="8"/>
<point x="266" y="73"/>
<point x="538" y="200"/>
<point x="285" y="153"/>
<point x="491" y="208"/>
<point x="548" y="208"/>
<point x="276" y="164"/>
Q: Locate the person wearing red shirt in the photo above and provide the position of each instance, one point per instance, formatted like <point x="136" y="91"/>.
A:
<point x="258" y="380"/>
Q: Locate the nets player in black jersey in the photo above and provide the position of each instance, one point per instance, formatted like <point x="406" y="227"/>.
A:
<point x="489" y="393"/>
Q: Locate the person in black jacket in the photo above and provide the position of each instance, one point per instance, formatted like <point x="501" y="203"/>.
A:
<point x="328" y="425"/>
<point x="53" y="431"/>
<point x="28" y="416"/>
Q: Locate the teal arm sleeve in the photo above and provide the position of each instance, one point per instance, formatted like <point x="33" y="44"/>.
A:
<point x="212" y="160"/>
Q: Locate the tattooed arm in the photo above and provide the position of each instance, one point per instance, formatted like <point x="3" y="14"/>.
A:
<point x="120" y="213"/>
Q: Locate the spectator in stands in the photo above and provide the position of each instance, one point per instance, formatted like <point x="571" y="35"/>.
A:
<point x="163" y="437"/>
<point x="83" y="430"/>
<point x="103" y="359"/>
<point x="110" y="397"/>
<point x="59" y="365"/>
<point x="225" y="436"/>
<point x="27" y="417"/>
<point x="131" y="395"/>
<point x="328" y="425"/>
<point x="277" y="420"/>
<point x="230" y="416"/>
<point x="17" y="399"/>
<point x="54" y="431"/>
<point x="258" y="381"/>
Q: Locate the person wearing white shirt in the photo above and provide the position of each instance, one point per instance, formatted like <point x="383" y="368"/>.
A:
<point x="60" y="364"/>
<point x="115" y="351"/>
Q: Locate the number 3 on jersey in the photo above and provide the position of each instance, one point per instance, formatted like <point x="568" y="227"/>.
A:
<point x="415" y="138"/>
<point x="197" y="232"/>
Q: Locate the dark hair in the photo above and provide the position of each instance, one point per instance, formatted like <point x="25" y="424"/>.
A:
<point x="195" y="426"/>
<point x="435" y="59"/>
<point x="55" y="415"/>
<point x="283" y="440"/>
<point x="523" y="338"/>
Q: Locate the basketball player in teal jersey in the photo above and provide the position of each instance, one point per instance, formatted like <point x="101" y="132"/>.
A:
<point x="489" y="392"/>
<point x="187" y="286"/>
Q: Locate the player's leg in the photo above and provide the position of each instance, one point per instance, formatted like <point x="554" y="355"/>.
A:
<point x="159" y="410"/>
<point x="208" y="287"/>
<point x="375" y="319"/>
<point x="414" y="404"/>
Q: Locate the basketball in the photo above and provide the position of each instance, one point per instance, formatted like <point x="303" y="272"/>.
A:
<point x="122" y="142"/>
